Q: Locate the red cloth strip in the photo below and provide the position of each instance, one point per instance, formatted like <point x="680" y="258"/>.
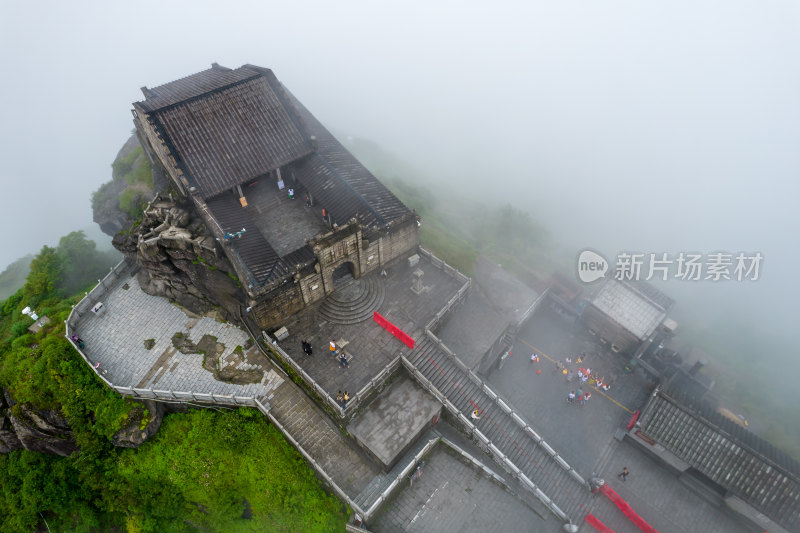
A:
<point x="595" y="522"/>
<point x="394" y="330"/>
<point x="627" y="509"/>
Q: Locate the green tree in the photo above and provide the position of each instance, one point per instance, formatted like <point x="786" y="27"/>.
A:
<point x="44" y="277"/>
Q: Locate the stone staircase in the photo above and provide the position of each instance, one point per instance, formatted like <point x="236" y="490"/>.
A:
<point x="353" y="301"/>
<point x="572" y="497"/>
<point x="321" y="439"/>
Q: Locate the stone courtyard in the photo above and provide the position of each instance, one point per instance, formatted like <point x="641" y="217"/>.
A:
<point x="369" y="346"/>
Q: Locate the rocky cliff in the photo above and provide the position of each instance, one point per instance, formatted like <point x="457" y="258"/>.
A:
<point x="47" y="431"/>
<point x="181" y="260"/>
<point x="117" y="202"/>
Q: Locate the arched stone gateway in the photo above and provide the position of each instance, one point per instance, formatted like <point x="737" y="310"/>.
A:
<point x="343" y="273"/>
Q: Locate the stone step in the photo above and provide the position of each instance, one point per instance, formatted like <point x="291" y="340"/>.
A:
<point x="503" y="430"/>
<point x="354" y="303"/>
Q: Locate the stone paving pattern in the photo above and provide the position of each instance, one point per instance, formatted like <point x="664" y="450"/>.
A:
<point x="115" y="339"/>
<point x="452" y="496"/>
<point x="584" y="435"/>
<point x="578" y="432"/>
<point x="371" y="346"/>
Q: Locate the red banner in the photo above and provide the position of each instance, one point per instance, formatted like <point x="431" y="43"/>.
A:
<point x="394" y="330"/>
<point x="627" y="510"/>
<point x="595" y="522"/>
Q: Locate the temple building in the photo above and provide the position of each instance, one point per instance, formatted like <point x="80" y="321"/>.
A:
<point x="292" y="210"/>
<point x="626" y="315"/>
<point x="723" y="461"/>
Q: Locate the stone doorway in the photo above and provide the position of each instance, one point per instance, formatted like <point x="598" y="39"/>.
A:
<point x="343" y="274"/>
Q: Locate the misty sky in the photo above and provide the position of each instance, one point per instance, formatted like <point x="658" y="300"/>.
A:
<point x="658" y="127"/>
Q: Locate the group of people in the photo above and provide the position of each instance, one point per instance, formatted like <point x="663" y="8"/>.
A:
<point x="586" y="375"/>
<point x="342" y="399"/>
<point x="583" y="397"/>
<point x="78" y="341"/>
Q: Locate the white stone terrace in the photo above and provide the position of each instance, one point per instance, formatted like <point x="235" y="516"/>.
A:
<point x="115" y="338"/>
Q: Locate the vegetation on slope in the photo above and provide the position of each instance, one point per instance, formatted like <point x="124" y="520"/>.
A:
<point x="13" y="277"/>
<point x="204" y="470"/>
<point x="132" y="174"/>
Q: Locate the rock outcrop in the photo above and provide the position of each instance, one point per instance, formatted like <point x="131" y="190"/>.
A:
<point x="44" y="431"/>
<point x="106" y="210"/>
<point x="142" y="424"/>
<point x="181" y="260"/>
<point x="9" y="441"/>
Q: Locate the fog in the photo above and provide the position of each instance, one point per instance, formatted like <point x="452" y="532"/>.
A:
<point x="620" y="126"/>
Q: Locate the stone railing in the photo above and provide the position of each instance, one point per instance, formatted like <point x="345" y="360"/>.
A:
<point x="466" y="283"/>
<point x="321" y="471"/>
<point x="507" y="408"/>
<point x="273" y="347"/>
<point x="438" y="263"/>
<point x="94" y="296"/>
<point x="386" y="494"/>
<point x="374" y="384"/>
<point x="535" y="305"/>
<point x="488" y="446"/>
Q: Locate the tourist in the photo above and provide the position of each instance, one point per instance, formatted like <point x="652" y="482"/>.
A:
<point x="587" y="397"/>
<point x="291" y="194"/>
<point x="340" y="399"/>
<point x="570" y="375"/>
<point x="571" y="396"/>
<point x="343" y="362"/>
<point x="624" y="474"/>
<point x="309" y="349"/>
<point x="346" y="399"/>
<point x="534" y="358"/>
<point x="476" y="415"/>
<point x="332" y="346"/>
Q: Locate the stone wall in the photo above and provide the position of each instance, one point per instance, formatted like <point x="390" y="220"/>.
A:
<point x="281" y="302"/>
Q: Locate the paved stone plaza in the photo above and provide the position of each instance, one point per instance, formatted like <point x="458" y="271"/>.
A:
<point x="584" y="434"/>
<point x="371" y="346"/>
<point x="453" y="496"/>
<point x="116" y="339"/>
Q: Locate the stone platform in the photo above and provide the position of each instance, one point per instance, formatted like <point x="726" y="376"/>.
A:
<point x="392" y="423"/>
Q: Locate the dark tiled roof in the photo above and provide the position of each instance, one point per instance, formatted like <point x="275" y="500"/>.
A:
<point x="341" y="184"/>
<point x="301" y="256"/>
<point x="225" y="127"/>
<point x="253" y="250"/>
<point x="738" y="433"/>
<point x="191" y="87"/>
